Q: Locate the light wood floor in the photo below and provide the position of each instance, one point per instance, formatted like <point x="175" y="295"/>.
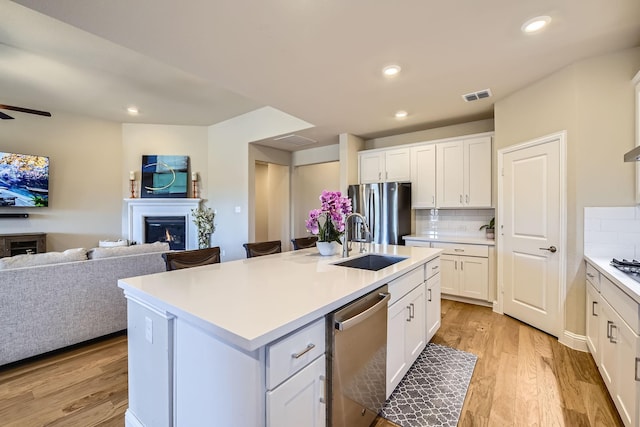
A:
<point x="523" y="377"/>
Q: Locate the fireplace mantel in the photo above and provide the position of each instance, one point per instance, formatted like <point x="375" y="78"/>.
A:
<point x="138" y="209"/>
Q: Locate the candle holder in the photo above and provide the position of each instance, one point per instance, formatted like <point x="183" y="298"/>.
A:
<point x="133" y="188"/>
<point x="195" y="189"/>
<point x="194" y="183"/>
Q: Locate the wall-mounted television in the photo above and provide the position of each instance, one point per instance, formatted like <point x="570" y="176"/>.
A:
<point x="24" y="180"/>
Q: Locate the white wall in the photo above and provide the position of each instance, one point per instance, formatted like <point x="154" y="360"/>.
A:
<point x="594" y="101"/>
<point x="229" y="172"/>
<point x="86" y="178"/>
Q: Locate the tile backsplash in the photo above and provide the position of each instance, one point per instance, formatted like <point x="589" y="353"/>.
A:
<point x="612" y="232"/>
<point x="453" y="221"/>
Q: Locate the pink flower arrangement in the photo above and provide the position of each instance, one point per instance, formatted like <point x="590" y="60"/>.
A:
<point x="328" y="221"/>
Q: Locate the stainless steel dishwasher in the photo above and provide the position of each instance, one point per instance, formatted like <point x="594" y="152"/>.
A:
<point x="357" y="360"/>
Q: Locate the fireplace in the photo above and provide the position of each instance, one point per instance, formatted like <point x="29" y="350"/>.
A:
<point x="170" y="229"/>
<point x="138" y="210"/>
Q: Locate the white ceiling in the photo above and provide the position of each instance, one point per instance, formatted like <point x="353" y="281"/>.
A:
<point x="205" y="61"/>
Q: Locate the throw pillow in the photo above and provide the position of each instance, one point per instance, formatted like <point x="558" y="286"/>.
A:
<point x="97" y="253"/>
<point x="18" y="261"/>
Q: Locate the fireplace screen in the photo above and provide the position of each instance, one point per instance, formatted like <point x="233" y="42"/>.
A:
<point x="170" y="229"/>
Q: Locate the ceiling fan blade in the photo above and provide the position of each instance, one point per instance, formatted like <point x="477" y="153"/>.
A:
<point x="25" y="110"/>
<point x="4" y="116"/>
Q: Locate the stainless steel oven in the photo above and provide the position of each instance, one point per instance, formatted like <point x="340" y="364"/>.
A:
<point x="357" y="360"/>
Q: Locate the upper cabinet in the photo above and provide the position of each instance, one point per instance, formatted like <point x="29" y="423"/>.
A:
<point x="463" y="173"/>
<point x="423" y="176"/>
<point x="392" y="165"/>
<point x="450" y="173"/>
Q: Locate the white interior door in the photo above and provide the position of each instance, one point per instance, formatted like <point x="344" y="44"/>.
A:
<point x="531" y="233"/>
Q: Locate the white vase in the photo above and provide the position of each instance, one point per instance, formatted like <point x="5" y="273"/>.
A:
<point x="328" y="248"/>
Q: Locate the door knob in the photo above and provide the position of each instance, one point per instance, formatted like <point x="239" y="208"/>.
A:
<point x="551" y="249"/>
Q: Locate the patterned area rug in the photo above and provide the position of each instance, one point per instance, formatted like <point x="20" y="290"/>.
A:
<point x="433" y="391"/>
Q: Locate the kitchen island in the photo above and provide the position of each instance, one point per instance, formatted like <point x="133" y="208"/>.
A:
<point x="209" y="345"/>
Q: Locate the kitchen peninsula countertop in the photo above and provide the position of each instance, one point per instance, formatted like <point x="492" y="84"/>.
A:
<point x="251" y="302"/>
<point x="450" y="238"/>
<point x="628" y="285"/>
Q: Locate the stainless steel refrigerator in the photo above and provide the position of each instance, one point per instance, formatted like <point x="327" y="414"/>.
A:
<point x="387" y="207"/>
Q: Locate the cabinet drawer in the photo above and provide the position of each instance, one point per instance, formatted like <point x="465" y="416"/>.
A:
<point x="626" y="307"/>
<point x="462" y="249"/>
<point x="281" y="360"/>
<point x="593" y="276"/>
<point x="433" y="267"/>
<point x="405" y="283"/>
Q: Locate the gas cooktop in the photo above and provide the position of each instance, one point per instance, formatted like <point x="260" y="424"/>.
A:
<point x="632" y="268"/>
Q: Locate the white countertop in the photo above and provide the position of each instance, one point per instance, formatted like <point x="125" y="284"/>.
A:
<point x="451" y="238"/>
<point x="252" y="302"/>
<point x="628" y="285"/>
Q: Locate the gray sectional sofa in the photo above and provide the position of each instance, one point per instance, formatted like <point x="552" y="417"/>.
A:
<point x="48" y="307"/>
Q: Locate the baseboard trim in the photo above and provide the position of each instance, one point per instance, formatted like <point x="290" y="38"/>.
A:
<point x="466" y="300"/>
<point x="131" y="420"/>
<point x="574" y="341"/>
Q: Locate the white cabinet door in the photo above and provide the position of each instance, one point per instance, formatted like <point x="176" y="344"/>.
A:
<point x="450" y="174"/>
<point x="398" y="316"/>
<point x="449" y="273"/>
<point x="416" y="326"/>
<point x="477" y="169"/>
<point x="593" y="321"/>
<point x="397" y="165"/>
<point x="371" y="166"/>
<point x="423" y="176"/>
<point x="299" y="401"/>
<point x="608" y="357"/>
<point x="464" y="173"/>
<point x="406" y="325"/>
<point x="627" y="388"/>
<point x="433" y="306"/>
<point x="474" y="277"/>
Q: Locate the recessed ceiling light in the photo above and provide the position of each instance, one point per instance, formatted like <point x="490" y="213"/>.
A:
<point x="132" y="110"/>
<point x="536" y="24"/>
<point x="401" y="114"/>
<point x="391" y="70"/>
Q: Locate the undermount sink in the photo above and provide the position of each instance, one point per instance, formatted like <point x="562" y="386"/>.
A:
<point x="371" y="262"/>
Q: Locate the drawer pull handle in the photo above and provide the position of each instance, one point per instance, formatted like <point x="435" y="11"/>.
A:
<point x="435" y="267"/>
<point x="593" y="308"/>
<point x="303" y="352"/>
<point x="609" y="324"/>
<point x="458" y="250"/>
<point x="412" y="311"/>
<point x="429" y="295"/>
<point x="612" y="339"/>
<point x="637" y="361"/>
<point x="461" y="265"/>
<point x="590" y="275"/>
<point x="324" y="389"/>
<point x="409" y="318"/>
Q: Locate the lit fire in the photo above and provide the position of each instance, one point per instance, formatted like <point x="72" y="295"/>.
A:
<point x="167" y="236"/>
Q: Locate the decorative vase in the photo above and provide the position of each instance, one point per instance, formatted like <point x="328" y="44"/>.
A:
<point x="328" y="248"/>
<point x="204" y="240"/>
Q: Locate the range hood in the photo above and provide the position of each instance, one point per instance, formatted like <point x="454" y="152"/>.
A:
<point x="633" y="155"/>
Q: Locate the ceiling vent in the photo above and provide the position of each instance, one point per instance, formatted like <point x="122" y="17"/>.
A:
<point x="474" y="96"/>
<point x="296" y="140"/>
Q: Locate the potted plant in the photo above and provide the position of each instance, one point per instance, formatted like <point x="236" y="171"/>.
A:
<point x="203" y="219"/>
<point x="490" y="228"/>
<point x="328" y="222"/>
